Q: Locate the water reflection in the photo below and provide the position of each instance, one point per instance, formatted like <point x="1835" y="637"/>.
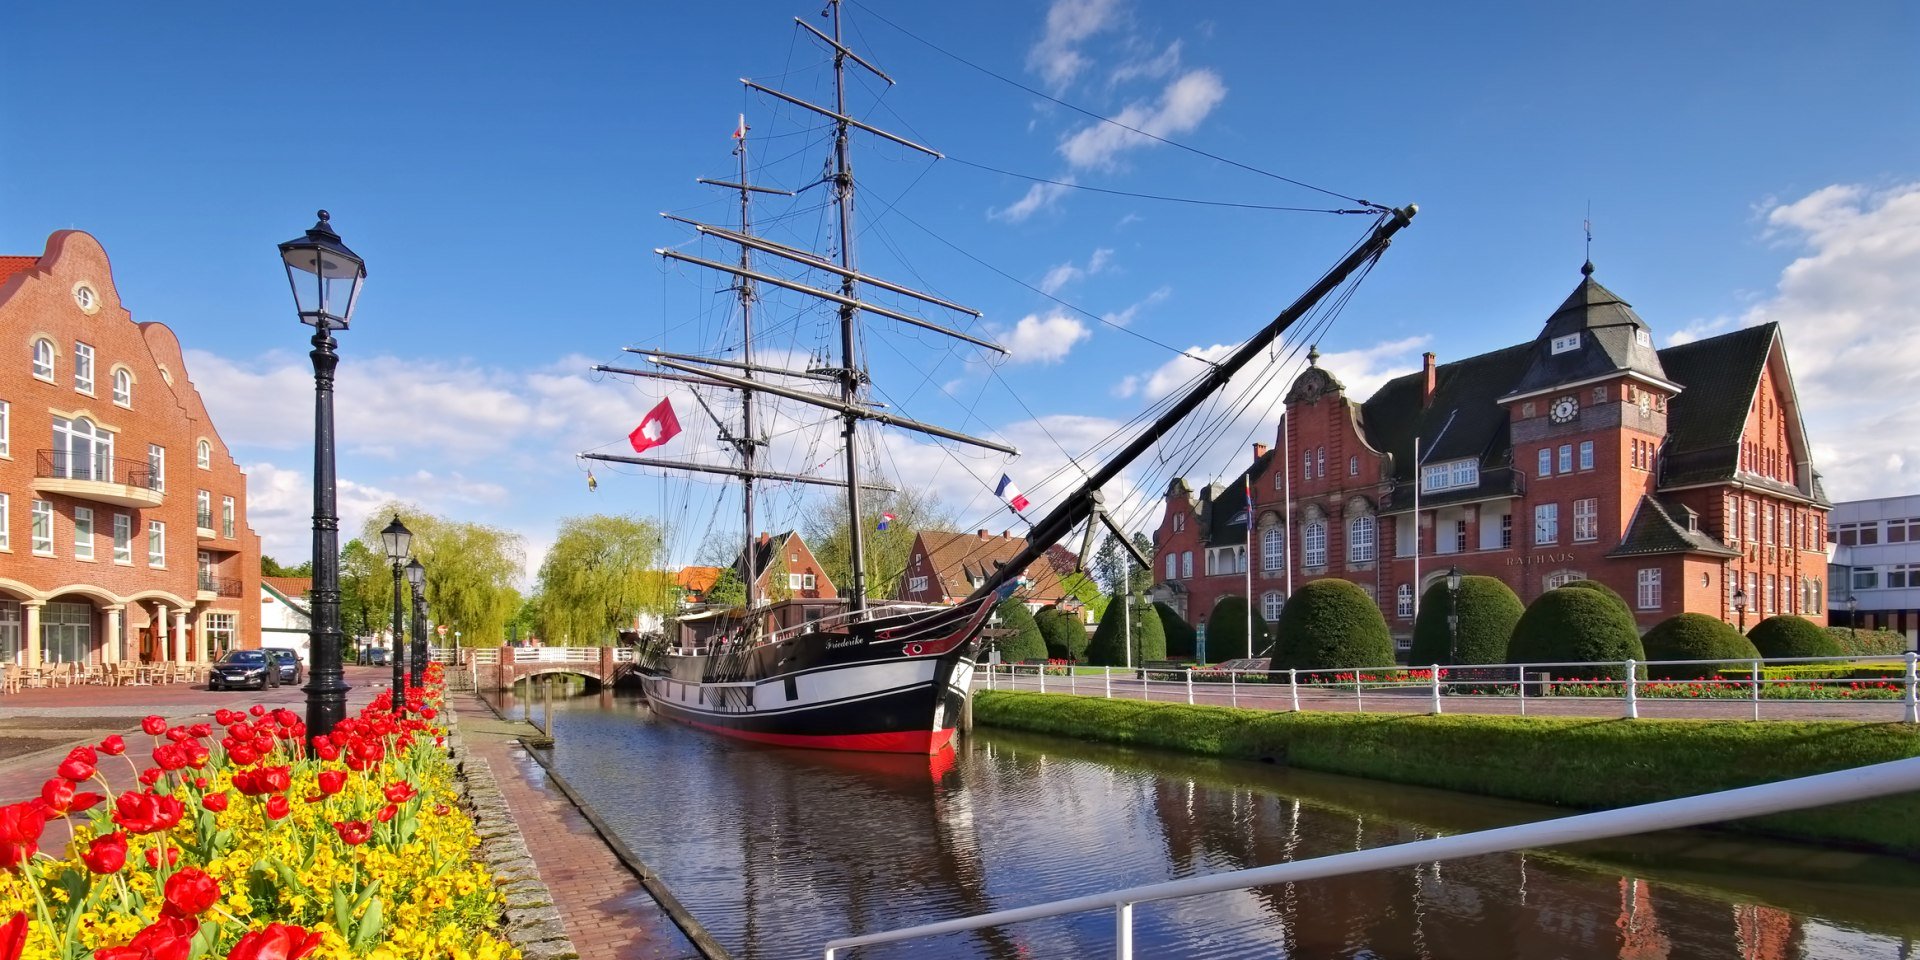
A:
<point x="778" y="850"/>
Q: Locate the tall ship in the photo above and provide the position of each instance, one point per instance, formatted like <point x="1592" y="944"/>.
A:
<point x="861" y="673"/>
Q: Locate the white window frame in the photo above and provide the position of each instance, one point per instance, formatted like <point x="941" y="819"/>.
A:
<point x="1767" y="587"/>
<point x="1586" y="454"/>
<point x="916" y="584"/>
<point x="1546" y="462"/>
<point x="1586" y="519"/>
<point x="157" y="467"/>
<point x="808" y="581"/>
<point x="1179" y="521"/>
<point x="122" y="539"/>
<point x="1273" y="549"/>
<point x="1566" y="344"/>
<point x="1353" y="466"/>
<point x="1186" y="565"/>
<point x="6" y="522"/>
<point x="1271" y="603"/>
<point x="83" y="368"/>
<point x="1506" y="531"/>
<point x="1903" y="575"/>
<point x="46" y="360"/>
<point x="1546" y="523"/>
<point x="122" y="387"/>
<point x="6" y="430"/>
<point x="1750" y="513"/>
<point x="1313" y="543"/>
<point x="1363" y="532"/>
<point x="156" y="545"/>
<point x="99" y="447"/>
<point x="42" y="530"/>
<point x="1173" y="567"/>
<point x="1403" y="602"/>
<point x="203" y="455"/>
<point x="226" y="518"/>
<point x="83" y="533"/>
<point x="793" y="581"/>
<point x="1451" y="475"/>
<point x="203" y="507"/>
<point x="1648" y="588"/>
<point x="1566" y="458"/>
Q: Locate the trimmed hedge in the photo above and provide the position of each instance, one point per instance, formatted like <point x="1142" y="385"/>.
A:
<point x="1108" y="647"/>
<point x="1066" y="639"/>
<point x="1785" y="635"/>
<point x="1026" y="643"/>
<point x="1227" y="631"/>
<point x="1576" y="625"/>
<point x="1488" y="612"/>
<point x="1819" y="671"/>
<point x="1331" y="624"/>
<point x="1569" y="762"/>
<point x="1599" y="587"/>
<point x="1179" y="633"/>
<point x="1868" y="643"/>
<point x="1694" y="636"/>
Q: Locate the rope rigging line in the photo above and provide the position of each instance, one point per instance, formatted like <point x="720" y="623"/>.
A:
<point x="1162" y="198"/>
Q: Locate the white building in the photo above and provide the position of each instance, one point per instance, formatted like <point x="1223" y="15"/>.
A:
<point x="1876" y="563"/>
<point x="285" y="618"/>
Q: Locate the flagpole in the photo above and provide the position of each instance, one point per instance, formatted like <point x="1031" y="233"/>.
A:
<point x="1246" y="559"/>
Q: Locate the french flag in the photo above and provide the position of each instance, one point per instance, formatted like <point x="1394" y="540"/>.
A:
<point x="1011" y="494"/>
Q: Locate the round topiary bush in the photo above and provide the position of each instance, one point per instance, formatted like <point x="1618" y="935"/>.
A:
<point x="1109" y="646"/>
<point x="1227" y="631"/>
<point x="1786" y="635"/>
<point x="1332" y="624"/>
<point x="1488" y="612"/>
<point x="1180" y="635"/>
<point x="1599" y="587"/>
<point x="1066" y="639"/>
<point x="1025" y="643"/>
<point x="1576" y="625"/>
<point x="1694" y="636"/>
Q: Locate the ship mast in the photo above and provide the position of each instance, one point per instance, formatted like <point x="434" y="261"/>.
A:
<point x="850" y="372"/>
<point x="748" y="439"/>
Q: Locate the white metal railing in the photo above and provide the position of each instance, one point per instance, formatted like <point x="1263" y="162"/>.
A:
<point x="1859" y="783"/>
<point x="1483" y="688"/>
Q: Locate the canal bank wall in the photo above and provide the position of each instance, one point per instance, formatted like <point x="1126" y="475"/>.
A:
<point x="1566" y="762"/>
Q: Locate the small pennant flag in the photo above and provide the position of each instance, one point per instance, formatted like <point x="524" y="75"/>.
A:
<point x="885" y="520"/>
<point x="740" y="132"/>
<point x="1010" y="493"/>
<point x="656" y="428"/>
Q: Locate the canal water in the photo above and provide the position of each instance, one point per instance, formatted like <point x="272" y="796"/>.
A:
<point x="777" y="851"/>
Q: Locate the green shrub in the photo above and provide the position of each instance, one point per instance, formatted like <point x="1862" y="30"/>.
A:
<point x="1599" y="587"/>
<point x="1821" y="671"/>
<point x="1868" y="643"/>
<point x="1576" y="625"/>
<point x="1488" y="611"/>
<point x="1331" y="624"/>
<point x="1694" y="636"/>
<point x="1227" y="631"/>
<point x="1786" y="635"/>
<point x="1025" y="643"/>
<point x="1180" y="635"/>
<point x="1109" y="647"/>
<point x="1066" y="639"/>
<point x="1569" y="762"/>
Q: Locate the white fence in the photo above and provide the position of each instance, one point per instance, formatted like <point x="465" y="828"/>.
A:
<point x="1724" y="688"/>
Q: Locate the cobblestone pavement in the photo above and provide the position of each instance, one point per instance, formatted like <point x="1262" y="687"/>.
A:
<point x="608" y="915"/>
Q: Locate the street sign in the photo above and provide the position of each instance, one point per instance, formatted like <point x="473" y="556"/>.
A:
<point x="442" y="630"/>
<point x="1200" y="643"/>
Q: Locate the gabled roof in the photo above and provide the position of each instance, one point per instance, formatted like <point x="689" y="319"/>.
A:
<point x="291" y="591"/>
<point x="1467" y="390"/>
<point x="1613" y="339"/>
<point x="697" y="579"/>
<point x="764" y="552"/>
<point x="958" y="559"/>
<point x="1705" y="421"/>
<point x="1656" y="529"/>
<point x="1223" y="506"/>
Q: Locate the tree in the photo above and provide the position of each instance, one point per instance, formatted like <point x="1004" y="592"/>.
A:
<point x="1694" y="636"/>
<point x="1065" y="636"/>
<point x="1024" y="642"/>
<point x="1488" y="612"/>
<point x="526" y="621"/>
<point x="1181" y="639"/>
<point x="600" y="572"/>
<point x="1109" y="564"/>
<point x="1227" y="630"/>
<point x="1109" y="646"/>
<point x="470" y="571"/>
<point x="887" y="551"/>
<point x="1081" y="587"/>
<point x="270" y="567"/>
<point x="1142" y="576"/>
<point x="1786" y="635"/>
<point x="779" y="587"/>
<point x="1576" y="625"/>
<point x="728" y="589"/>
<point x="365" y="585"/>
<point x="1331" y="624"/>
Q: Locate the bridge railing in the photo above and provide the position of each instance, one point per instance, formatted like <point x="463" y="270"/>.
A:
<point x="1885" y="688"/>
<point x="1860" y="783"/>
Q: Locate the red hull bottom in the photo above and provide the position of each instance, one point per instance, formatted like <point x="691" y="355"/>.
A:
<point x="905" y="741"/>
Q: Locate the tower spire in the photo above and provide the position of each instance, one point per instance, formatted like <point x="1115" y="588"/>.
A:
<point x="1586" y="269"/>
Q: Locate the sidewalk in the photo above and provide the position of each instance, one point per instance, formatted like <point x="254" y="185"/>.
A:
<point x="608" y="915"/>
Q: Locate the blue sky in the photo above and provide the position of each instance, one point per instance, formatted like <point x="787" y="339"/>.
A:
<point x="500" y="170"/>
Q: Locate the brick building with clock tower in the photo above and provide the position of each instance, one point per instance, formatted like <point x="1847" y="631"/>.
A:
<point x="1677" y="477"/>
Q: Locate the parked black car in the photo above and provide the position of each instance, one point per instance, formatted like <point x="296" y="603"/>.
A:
<point x="289" y="661"/>
<point x="243" y="668"/>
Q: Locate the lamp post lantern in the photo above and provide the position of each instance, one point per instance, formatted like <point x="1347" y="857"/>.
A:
<point x="1853" y="614"/>
<point x="417" y="579"/>
<point x="398" y="539"/>
<point x="1453" y="614"/>
<point x="326" y="278"/>
<point x="1740" y="607"/>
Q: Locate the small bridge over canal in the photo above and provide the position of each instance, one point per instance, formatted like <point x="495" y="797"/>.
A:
<point x="499" y="668"/>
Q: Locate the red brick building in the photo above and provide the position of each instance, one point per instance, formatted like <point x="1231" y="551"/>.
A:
<point x="123" y="518"/>
<point x="946" y="567"/>
<point x="1674" y="476"/>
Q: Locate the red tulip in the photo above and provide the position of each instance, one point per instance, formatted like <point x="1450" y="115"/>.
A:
<point x="106" y="854"/>
<point x="169" y="757"/>
<point x="201" y="730"/>
<point x="277" y="807"/>
<point x="147" y="812"/>
<point x="75" y="768"/>
<point x="275" y="941"/>
<point x="353" y="834"/>
<point x="170" y="938"/>
<point x="216" y="802"/>
<point x="400" y="791"/>
<point x="154" y="726"/>
<point x="113" y="746"/>
<point x="84" y="801"/>
<point x="13" y="937"/>
<point x="20" y="827"/>
<point x="387" y="812"/>
<point x="332" y="781"/>
<point x="325" y="749"/>
<point x="242" y="755"/>
<point x="150" y="776"/>
<point x="223" y="716"/>
<point x="257" y="710"/>
<point x="153" y="857"/>
<point x="191" y="891"/>
<point x="441" y="809"/>
<point x="58" y="794"/>
<point x="273" y="779"/>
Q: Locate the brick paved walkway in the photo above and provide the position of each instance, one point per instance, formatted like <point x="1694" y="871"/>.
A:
<point x="608" y="914"/>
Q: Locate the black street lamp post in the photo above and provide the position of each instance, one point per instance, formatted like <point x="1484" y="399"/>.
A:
<point x="417" y="578"/>
<point x="326" y="278"/>
<point x="1853" y="614"/>
<point x="397" y="539"/>
<point x="1453" y="614"/>
<point x="1740" y="607"/>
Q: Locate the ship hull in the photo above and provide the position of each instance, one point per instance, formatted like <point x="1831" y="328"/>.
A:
<point x="892" y="685"/>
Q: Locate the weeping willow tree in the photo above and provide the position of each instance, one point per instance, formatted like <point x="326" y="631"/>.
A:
<point x="470" y="572"/>
<point x="602" y="571"/>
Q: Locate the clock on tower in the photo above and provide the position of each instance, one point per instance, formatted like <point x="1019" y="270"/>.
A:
<point x="1563" y="409"/>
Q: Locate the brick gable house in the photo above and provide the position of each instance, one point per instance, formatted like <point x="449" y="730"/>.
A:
<point x="945" y="567"/>
<point x="123" y="517"/>
<point x="1677" y="477"/>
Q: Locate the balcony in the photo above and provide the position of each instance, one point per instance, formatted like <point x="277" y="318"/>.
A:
<point x="212" y="587"/>
<point x="122" y="483"/>
<point x="203" y="525"/>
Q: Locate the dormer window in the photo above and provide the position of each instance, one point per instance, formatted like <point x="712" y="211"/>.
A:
<point x="1643" y="338"/>
<point x="1450" y="475"/>
<point x="1567" y="343"/>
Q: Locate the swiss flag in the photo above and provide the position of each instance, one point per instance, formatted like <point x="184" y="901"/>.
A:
<point x="656" y="428"/>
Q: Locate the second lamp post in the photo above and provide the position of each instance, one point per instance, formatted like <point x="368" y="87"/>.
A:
<point x="398" y="540"/>
<point x="417" y="579"/>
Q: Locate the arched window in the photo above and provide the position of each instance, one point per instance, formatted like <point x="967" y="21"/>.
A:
<point x="1270" y="604"/>
<point x="123" y="387"/>
<point x="43" y="358"/>
<point x="1320" y="463"/>
<point x="81" y="451"/>
<point x="1360" y="539"/>
<point x="1172" y="566"/>
<point x="1313" y="543"/>
<point x="203" y="455"/>
<point x="1273" y="549"/>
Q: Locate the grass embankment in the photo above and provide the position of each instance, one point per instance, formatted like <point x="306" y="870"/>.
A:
<point x="1568" y="762"/>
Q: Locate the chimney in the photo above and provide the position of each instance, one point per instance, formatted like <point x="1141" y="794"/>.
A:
<point x="1006" y="534"/>
<point x="765" y="538"/>
<point x="1259" y="450"/>
<point x="1426" y="395"/>
<point x="982" y="534"/>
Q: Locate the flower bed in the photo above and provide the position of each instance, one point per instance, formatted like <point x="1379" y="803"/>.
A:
<point x="257" y="845"/>
<point x="1733" y="689"/>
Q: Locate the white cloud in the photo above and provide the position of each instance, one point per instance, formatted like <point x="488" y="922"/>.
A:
<point x="1056" y="57"/>
<point x="1060" y="275"/>
<point x="1048" y="339"/>
<point x="1121" y="318"/>
<point x="1151" y="68"/>
<point x="1040" y="196"/>
<point x="280" y="509"/>
<point x="1185" y="102"/>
